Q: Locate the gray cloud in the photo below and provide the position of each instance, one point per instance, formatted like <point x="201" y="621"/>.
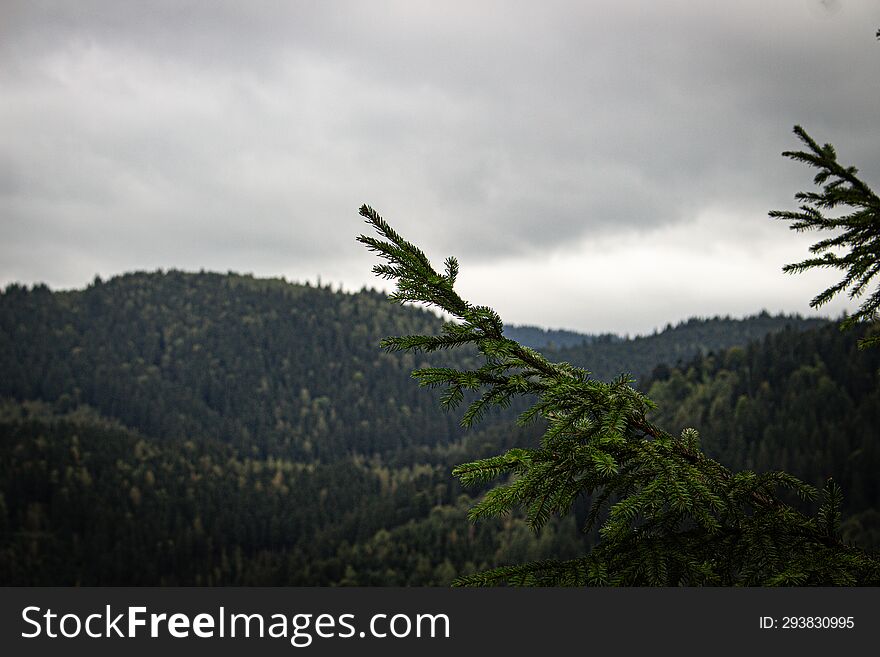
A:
<point x="245" y="136"/>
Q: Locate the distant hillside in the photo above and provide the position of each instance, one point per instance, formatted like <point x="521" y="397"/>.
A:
<point x="174" y="428"/>
<point x="268" y="366"/>
<point x="86" y="501"/>
<point x="540" y="338"/>
<point x="264" y="365"/>
<point x="807" y="403"/>
<point x="607" y="358"/>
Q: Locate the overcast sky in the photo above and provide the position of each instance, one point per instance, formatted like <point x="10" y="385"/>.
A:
<point x="600" y="166"/>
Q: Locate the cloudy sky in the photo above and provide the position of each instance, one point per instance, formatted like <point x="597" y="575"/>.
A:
<point x="601" y="166"/>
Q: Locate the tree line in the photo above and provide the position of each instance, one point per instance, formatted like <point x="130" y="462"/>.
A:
<point x="172" y="428"/>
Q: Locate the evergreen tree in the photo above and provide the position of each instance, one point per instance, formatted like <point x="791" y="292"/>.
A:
<point x="668" y="514"/>
<point x="858" y="230"/>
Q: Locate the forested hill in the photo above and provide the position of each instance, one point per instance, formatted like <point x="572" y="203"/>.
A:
<point x="267" y="366"/>
<point x="807" y="403"/>
<point x="173" y="428"/>
<point x="606" y="357"/>
<point x="541" y="338"/>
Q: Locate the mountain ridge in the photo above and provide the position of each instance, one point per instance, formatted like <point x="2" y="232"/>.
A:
<point x="190" y="429"/>
<point x="270" y="366"/>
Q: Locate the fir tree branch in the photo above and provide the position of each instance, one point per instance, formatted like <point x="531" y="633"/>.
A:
<point x="674" y="516"/>
<point x="841" y="188"/>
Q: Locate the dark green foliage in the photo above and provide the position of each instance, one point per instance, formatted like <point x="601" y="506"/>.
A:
<point x="260" y="410"/>
<point x="224" y="381"/>
<point x="269" y="367"/>
<point x="808" y="403"/>
<point x="205" y="387"/>
<point x="857" y="230"/>
<point x="680" y="343"/>
<point x="669" y="515"/>
<point x="85" y="501"/>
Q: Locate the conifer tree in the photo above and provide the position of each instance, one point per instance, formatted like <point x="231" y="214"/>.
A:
<point x="668" y="514"/>
<point x="857" y="228"/>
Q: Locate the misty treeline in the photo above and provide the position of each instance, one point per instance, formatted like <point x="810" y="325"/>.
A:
<point x="173" y="428"/>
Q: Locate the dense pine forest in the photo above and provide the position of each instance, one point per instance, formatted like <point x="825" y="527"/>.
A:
<point x="806" y="403"/>
<point x="173" y="428"/>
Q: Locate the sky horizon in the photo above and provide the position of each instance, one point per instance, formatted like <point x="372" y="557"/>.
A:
<point x="378" y="286"/>
<point x="598" y="167"/>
